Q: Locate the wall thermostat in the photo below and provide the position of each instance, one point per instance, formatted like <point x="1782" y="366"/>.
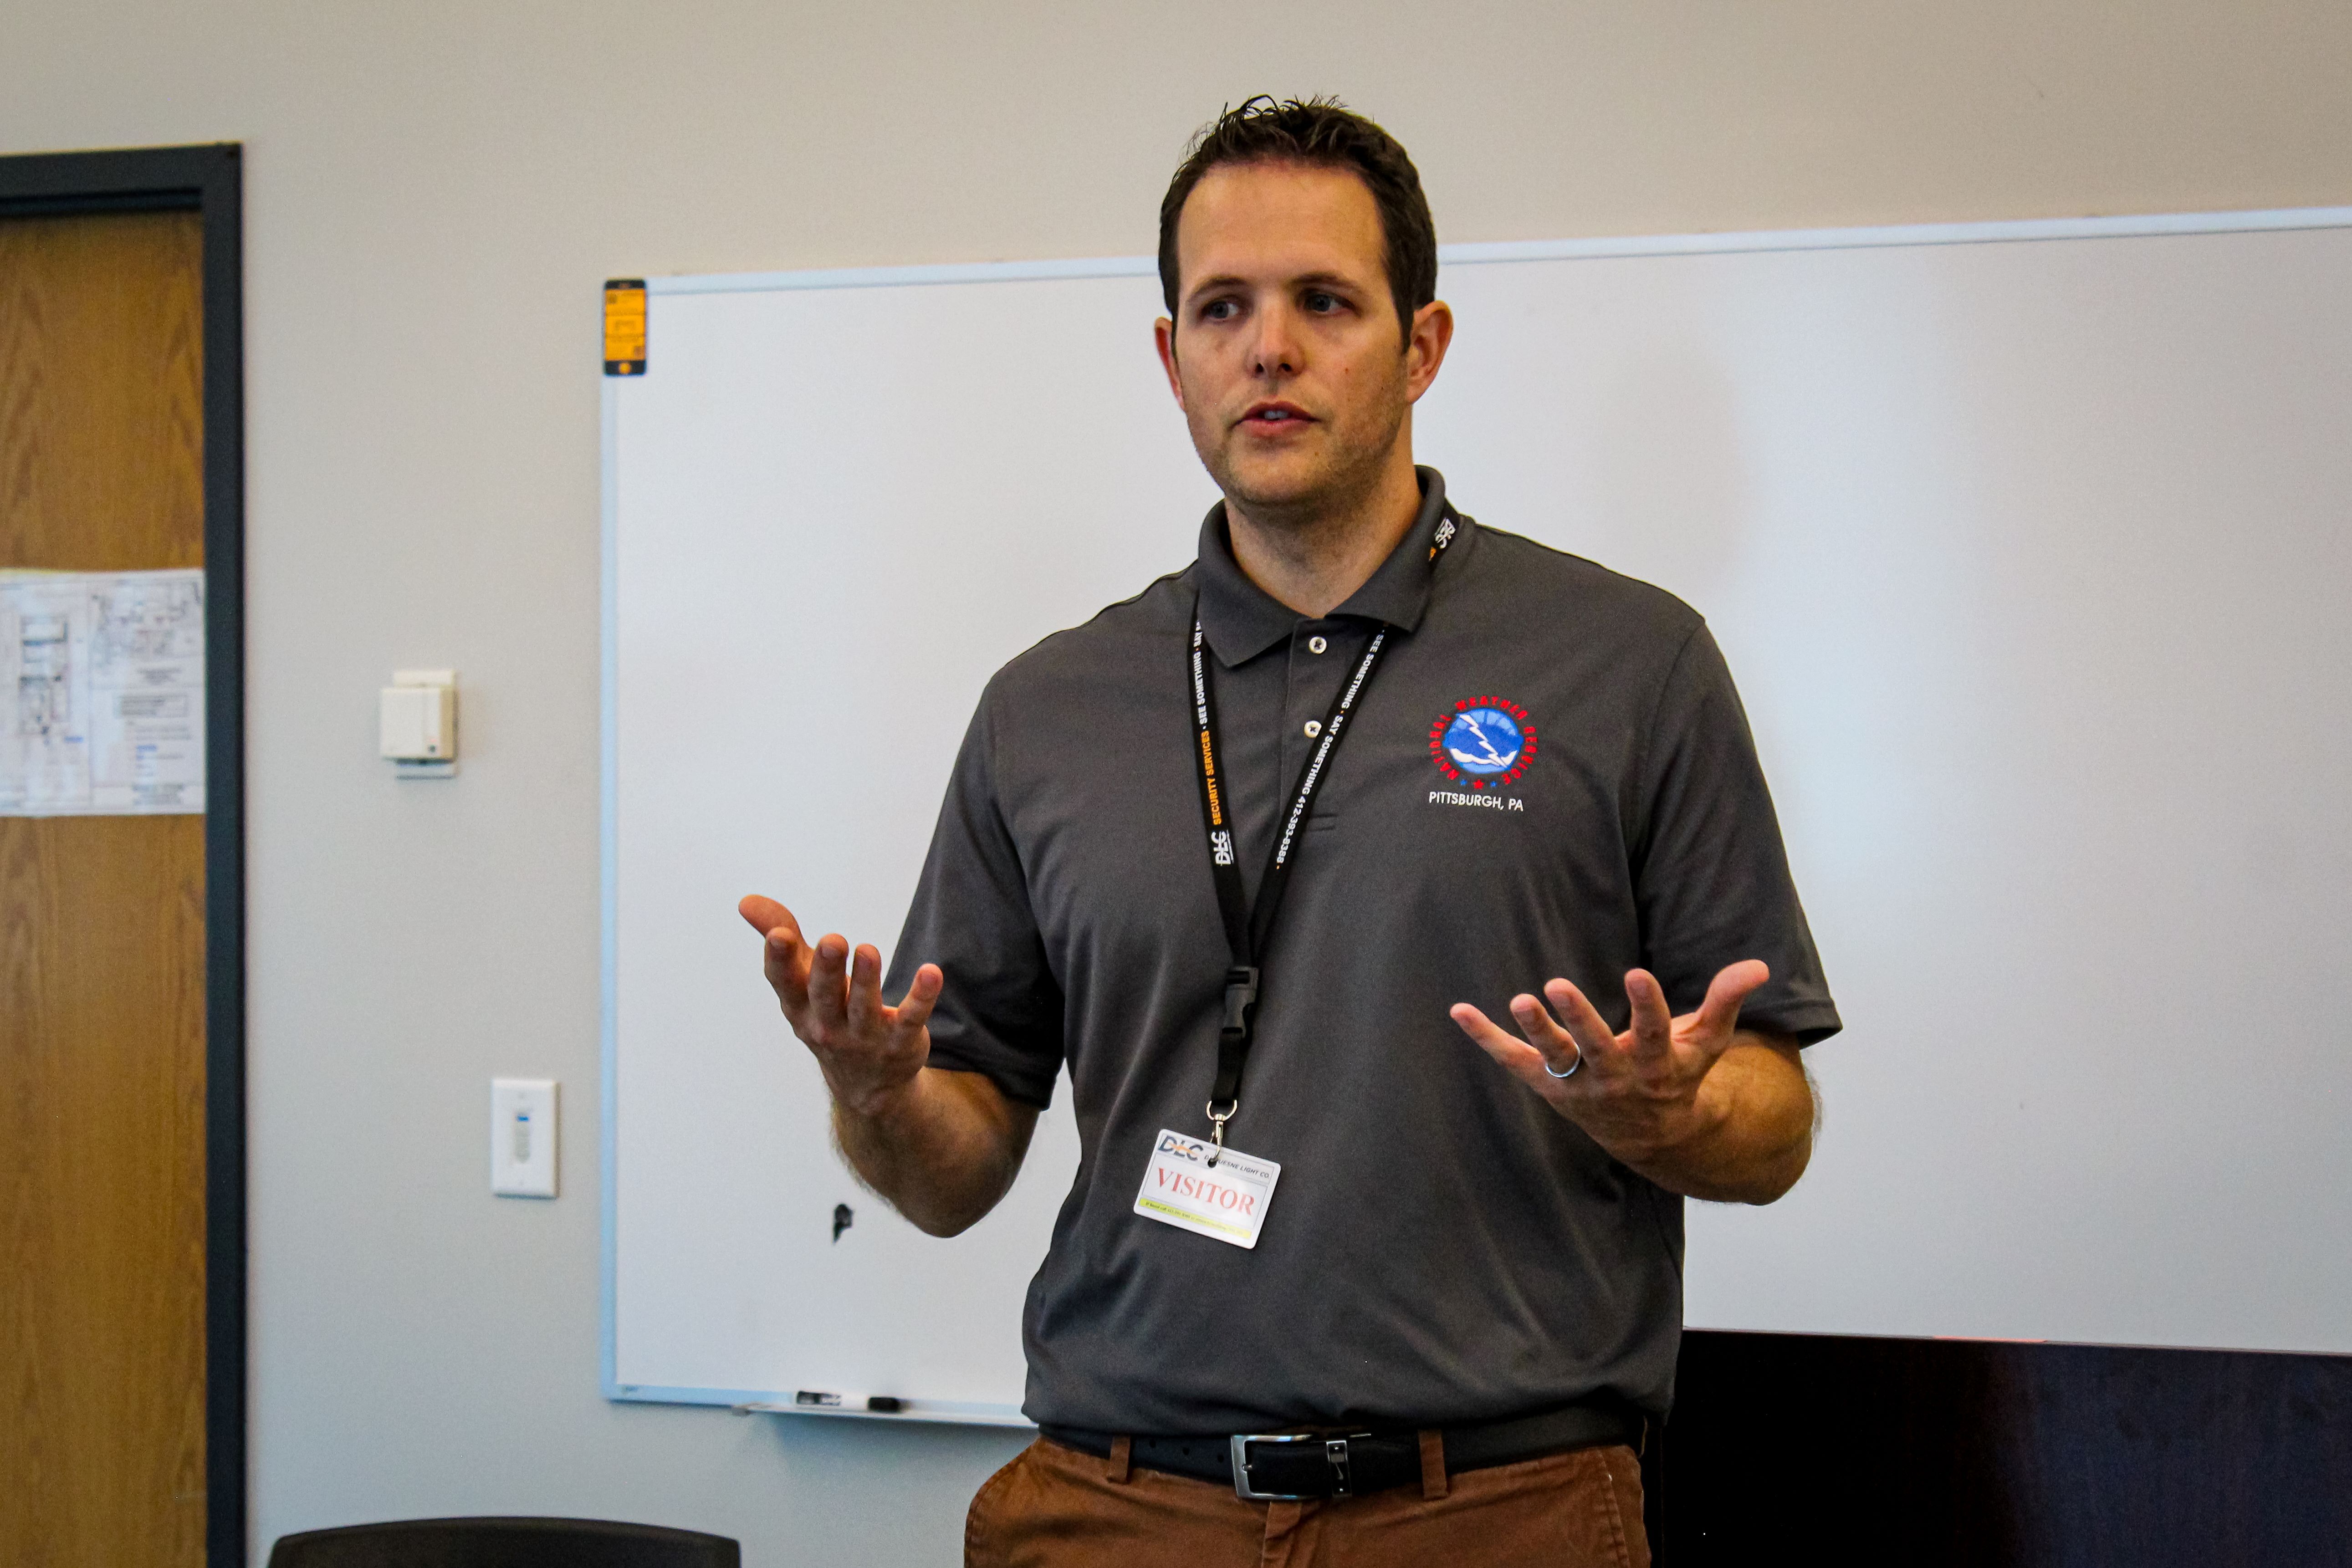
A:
<point x="417" y="722"/>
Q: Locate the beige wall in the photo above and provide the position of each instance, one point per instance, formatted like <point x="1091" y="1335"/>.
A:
<point x="436" y="190"/>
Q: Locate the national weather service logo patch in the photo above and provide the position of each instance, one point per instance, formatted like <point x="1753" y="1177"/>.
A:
<point x="1483" y="742"/>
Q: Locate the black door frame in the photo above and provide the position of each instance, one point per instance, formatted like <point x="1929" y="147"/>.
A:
<point x="208" y="181"/>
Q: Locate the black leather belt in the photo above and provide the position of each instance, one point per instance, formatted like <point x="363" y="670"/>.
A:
<point x="1292" y="1466"/>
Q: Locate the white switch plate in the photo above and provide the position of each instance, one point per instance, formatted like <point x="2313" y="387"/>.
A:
<point x="523" y="1137"/>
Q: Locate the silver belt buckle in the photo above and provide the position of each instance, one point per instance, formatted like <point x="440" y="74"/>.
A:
<point x="1335" y="1450"/>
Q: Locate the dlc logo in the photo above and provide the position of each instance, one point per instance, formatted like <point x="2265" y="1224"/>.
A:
<point x="1483" y="742"/>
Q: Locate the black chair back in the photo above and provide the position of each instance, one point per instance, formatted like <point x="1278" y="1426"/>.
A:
<point x="504" y="1543"/>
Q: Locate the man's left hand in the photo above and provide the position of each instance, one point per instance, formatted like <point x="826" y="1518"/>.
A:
<point x="1653" y="1095"/>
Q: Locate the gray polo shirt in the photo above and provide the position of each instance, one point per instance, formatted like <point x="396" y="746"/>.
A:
<point x="1550" y="774"/>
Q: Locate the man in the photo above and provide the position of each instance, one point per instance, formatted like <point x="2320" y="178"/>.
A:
<point x="1328" y="1281"/>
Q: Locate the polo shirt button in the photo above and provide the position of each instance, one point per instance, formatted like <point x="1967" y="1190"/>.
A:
<point x="1316" y="645"/>
<point x="1313" y="728"/>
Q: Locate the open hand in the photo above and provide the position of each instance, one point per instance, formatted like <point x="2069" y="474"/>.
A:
<point x="1638" y="1093"/>
<point x="833" y="999"/>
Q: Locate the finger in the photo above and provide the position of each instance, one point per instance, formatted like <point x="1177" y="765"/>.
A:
<point x="864" y="989"/>
<point x="1514" y="1056"/>
<point x="1543" y="1032"/>
<point x="1719" y="1014"/>
<point x="772" y="921"/>
<point x="828" y="999"/>
<point x="784" y="957"/>
<point x="913" y="1014"/>
<point x="1653" y="1024"/>
<point x="785" y="961"/>
<point x="1584" y="1023"/>
<point x="765" y="914"/>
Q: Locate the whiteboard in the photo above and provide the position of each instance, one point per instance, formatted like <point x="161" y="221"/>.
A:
<point x="2027" y="544"/>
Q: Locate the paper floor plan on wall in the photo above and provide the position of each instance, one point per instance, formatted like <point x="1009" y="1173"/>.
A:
<point x="102" y="692"/>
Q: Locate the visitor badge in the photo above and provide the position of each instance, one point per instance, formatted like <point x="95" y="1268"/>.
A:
<point x="1226" y="1201"/>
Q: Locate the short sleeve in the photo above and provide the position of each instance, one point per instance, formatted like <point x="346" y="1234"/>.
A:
<point x="1001" y="1010"/>
<point x="1710" y="874"/>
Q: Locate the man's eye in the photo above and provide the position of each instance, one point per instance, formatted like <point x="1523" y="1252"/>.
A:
<point x="1322" y="303"/>
<point x="1220" y="310"/>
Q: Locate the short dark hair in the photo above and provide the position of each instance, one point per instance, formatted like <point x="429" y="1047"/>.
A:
<point x="1325" y="134"/>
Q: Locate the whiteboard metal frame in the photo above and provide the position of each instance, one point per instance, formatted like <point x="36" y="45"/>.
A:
<point x="2132" y="227"/>
<point x="779" y="1401"/>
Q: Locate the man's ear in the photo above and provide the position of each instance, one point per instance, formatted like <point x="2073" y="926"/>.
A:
<point x="1163" y="338"/>
<point x="1425" y="346"/>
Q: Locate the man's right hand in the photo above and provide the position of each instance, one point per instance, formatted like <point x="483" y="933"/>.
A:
<point x="941" y="1145"/>
<point x="870" y="1053"/>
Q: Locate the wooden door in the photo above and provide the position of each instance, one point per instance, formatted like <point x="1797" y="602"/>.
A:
<point x="101" y="936"/>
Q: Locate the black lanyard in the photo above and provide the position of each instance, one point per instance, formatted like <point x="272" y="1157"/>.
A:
<point x="1247" y="930"/>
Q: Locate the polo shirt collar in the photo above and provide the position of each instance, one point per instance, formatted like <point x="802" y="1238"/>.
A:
<point x="1241" y="620"/>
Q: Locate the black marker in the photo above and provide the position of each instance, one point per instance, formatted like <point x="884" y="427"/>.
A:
<point x="886" y="1404"/>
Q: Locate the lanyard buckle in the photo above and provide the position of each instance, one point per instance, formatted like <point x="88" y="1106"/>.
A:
<point x="1241" y="996"/>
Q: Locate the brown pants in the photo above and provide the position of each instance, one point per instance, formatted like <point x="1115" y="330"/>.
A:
<point x="1055" y="1508"/>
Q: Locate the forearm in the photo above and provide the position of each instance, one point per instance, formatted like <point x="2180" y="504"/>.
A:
<point x="1753" y="1132"/>
<point x="943" y="1147"/>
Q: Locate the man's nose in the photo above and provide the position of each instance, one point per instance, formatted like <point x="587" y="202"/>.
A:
<point x="1277" y="351"/>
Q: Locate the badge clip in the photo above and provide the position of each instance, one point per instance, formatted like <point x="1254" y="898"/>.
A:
<point x="1217" y="1125"/>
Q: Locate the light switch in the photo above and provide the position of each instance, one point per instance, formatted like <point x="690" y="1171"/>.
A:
<point x="416" y="722"/>
<point x="523" y="1137"/>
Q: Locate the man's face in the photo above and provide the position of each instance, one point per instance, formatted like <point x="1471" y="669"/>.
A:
<point x="1285" y="351"/>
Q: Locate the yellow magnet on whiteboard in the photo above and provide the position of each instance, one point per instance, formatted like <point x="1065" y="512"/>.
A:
<point x="624" y="326"/>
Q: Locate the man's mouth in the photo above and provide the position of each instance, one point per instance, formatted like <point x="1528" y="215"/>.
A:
<point x="1274" y="415"/>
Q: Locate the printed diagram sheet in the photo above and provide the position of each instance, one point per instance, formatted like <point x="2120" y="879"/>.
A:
<point x="102" y="692"/>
